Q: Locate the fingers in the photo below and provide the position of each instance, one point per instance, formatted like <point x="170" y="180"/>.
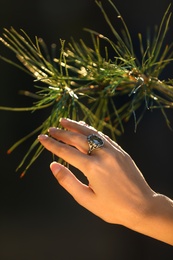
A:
<point x="76" y="137"/>
<point x="83" y="128"/>
<point x="77" y="140"/>
<point x="81" y="193"/>
<point x="78" y="127"/>
<point x="66" y="152"/>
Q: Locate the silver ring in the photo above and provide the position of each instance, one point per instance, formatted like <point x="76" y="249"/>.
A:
<point x="94" y="142"/>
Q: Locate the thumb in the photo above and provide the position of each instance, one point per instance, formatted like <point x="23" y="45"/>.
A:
<point x="81" y="192"/>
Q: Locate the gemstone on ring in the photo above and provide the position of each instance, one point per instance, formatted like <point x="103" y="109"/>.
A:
<point x="94" y="142"/>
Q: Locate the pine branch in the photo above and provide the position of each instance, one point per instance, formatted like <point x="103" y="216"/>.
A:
<point x="83" y="84"/>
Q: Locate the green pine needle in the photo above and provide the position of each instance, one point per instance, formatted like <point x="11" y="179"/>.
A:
<point x="83" y="84"/>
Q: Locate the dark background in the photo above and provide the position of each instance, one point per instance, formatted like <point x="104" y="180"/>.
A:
<point x="38" y="219"/>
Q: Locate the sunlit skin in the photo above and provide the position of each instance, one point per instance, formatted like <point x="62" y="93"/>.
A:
<point x="117" y="192"/>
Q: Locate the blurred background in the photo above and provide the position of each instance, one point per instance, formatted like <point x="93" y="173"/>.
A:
<point x="38" y="219"/>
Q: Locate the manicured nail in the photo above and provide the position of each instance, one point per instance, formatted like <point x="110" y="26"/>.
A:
<point x="64" y="120"/>
<point x="55" y="168"/>
<point x="52" y="130"/>
<point x="42" y="137"/>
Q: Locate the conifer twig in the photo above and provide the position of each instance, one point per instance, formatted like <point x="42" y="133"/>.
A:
<point x="83" y="84"/>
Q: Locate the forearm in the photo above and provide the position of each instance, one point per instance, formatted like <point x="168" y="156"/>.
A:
<point x="157" y="219"/>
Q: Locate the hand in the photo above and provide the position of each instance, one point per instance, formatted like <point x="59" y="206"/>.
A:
<point x="116" y="192"/>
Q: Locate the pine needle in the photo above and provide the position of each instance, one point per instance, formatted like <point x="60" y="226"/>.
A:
<point x="81" y="83"/>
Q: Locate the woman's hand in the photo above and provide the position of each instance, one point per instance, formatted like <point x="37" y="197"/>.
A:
<point x="117" y="191"/>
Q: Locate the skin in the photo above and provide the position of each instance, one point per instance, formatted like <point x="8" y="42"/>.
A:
<point x="117" y="192"/>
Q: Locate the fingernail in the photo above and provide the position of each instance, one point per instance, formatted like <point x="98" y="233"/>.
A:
<point x="55" y="168"/>
<point x="42" y="137"/>
<point x="64" y="120"/>
<point x="52" y="129"/>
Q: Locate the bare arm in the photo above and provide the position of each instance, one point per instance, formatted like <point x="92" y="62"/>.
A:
<point x="117" y="191"/>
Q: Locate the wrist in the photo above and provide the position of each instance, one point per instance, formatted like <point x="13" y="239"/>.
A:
<point x="156" y="218"/>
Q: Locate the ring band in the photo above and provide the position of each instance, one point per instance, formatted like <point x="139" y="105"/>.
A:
<point x="94" y="142"/>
